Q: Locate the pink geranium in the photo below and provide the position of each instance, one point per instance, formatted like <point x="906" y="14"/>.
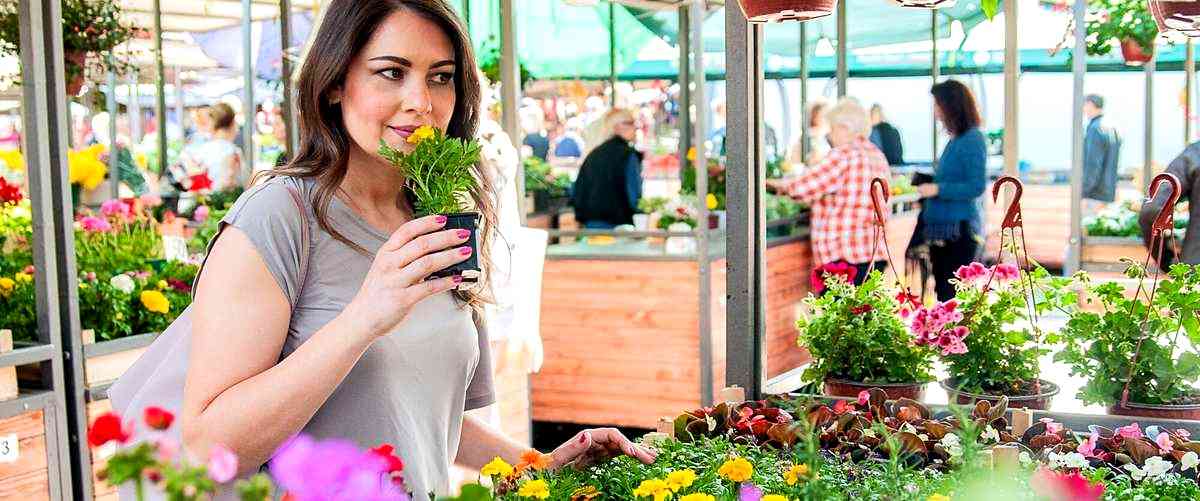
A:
<point x="222" y="464"/>
<point x="842" y="269"/>
<point x="93" y="224"/>
<point x="1163" y="441"/>
<point x="937" y="326"/>
<point x="1006" y="272"/>
<point x="975" y="273"/>
<point x="116" y="208"/>
<point x="200" y="215"/>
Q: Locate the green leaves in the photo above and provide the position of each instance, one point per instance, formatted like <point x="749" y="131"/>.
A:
<point x="990" y="8"/>
<point x="439" y="172"/>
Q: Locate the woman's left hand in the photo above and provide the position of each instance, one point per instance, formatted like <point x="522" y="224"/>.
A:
<point x="928" y="190"/>
<point x="596" y="445"/>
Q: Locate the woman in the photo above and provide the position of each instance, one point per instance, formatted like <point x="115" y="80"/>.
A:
<point x="312" y="313"/>
<point x="950" y="220"/>
<point x="218" y="156"/>
<point x="839" y="192"/>
<point x="818" y="141"/>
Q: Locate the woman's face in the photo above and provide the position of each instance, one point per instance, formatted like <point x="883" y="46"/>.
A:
<point x="402" y="79"/>
<point x="840" y="134"/>
<point x="937" y="112"/>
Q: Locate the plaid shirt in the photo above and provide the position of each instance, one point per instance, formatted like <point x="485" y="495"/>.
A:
<point x="839" y="192"/>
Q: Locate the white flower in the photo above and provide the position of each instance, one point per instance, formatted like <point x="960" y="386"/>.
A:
<point x="1189" y="461"/>
<point x="123" y="283"/>
<point x="953" y="446"/>
<point x="1156" y="467"/>
<point x="1135" y="472"/>
<point x="923" y="437"/>
<point x="991" y="434"/>
<point x="1024" y="459"/>
<point x="1068" y="460"/>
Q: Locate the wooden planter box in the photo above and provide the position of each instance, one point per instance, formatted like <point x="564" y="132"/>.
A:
<point x="28" y="476"/>
<point x="1105" y="253"/>
<point x="8" y="375"/>
<point x="104" y="362"/>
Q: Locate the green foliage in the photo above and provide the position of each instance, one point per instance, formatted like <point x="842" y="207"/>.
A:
<point x="990" y="8"/>
<point x="870" y="346"/>
<point x="1111" y="21"/>
<point x="94" y="27"/>
<point x="716" y="181"/>
<point x="126" y="248"/>
<point x="256" y="488"/>
<point x="539" y="177"/>
<point x="438" y="172"/>
<point x="198" y="244"/>
<point x="489" y="62"/>
<point x="1121" y="220"/>
<point x="18" y="307"/>
<point x="16" y="237"/>
<point x="782" y="207"/>
<point x="1101" y="346"/>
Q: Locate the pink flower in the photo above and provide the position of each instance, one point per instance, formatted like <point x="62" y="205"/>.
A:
<point x="1006" y="272"/>
<point x="1088" y="447"/>
<point x="115" y="208"/>
<point x="1053" y="428"/>
<point x="841" y="269"/>
<point x="93" y="224"/>
<point x="151" y="200"/>
<point x="1065" y="487"/>
<point x="863" y="397"/>
<point x="333" y="469"/>
<point x="200" y="215"/>
<point x="167" y="448"/>
<point x="222" y="464"/>
<point x="1163" y="440"/>
<point x="1131" y="431"/>
<point x="973" y="274"/>
<point x="1184" y="434"/>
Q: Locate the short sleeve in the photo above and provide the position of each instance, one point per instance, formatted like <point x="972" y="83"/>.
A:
<point x="481" y="391"/>
<point x="270" y="216"/>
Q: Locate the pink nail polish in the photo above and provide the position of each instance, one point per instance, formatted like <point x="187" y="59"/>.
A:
<point x="466" y="251"/>
<point x="441" y="220"/>
<point x="463" y="234"/>
<point x="457" y="279"/>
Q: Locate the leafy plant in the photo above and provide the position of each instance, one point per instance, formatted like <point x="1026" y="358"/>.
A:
<point x="1118" y="20"/>
<point x="716" y="181"/>
<point x="679" y="210"/>
<point x="438" y="171"/>
<point x="89" y="27"/>
<point x="1101" y="346"/>
<point x="855" y="333"/>
<point x="1121" y="220"/>
<point x="539" y="177"/>
<point x="18" y="306"/>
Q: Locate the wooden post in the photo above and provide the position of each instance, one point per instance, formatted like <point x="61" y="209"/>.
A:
<point x="8" y="375"/>
<point x="1022" y="420"/>
<point x="735" y="394"/>
<point x="1006" y="456"/>
<point x="666" y="426"/>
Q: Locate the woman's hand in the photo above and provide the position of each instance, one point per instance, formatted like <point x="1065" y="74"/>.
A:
<point x="928" y="190"/>
<point x="396" y="281"/>
<point x="596" y="445"/>
<point x="776" y="186"/>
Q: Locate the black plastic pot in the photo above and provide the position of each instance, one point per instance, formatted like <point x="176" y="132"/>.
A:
<point x="1041" y="401"/>
<point x="469" y="269"/>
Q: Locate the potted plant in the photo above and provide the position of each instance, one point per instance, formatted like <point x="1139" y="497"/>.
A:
<point x="1135" y="346"/>
<point x="92" y="30"/>
<point x="762" y="11"/>
<point x="439" y="176"/>
<point x="858" y="340"/>
<point x="993" y="351"/>
<point x="1129" y="23"/>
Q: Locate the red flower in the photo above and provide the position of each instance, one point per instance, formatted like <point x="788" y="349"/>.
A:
<point x="179" y="285"/>
<point x="1065" y="487"/>
<point x="842" y="269"/>
<point x="840" y="407"/>
<point x="907" y="300"/>
<point x="158" y="418"/>
<point x="200" y="182"/>
<point x="859" y="310"/>
<point x="9" y="193"/>
<point x="387" y="452"/>
<point x="107" y="428"/>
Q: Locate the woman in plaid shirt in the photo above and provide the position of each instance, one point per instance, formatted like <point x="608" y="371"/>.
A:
<point x="839" y="192"/>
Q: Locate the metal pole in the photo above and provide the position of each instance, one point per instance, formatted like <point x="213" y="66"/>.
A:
<point x="843" y="52"/>
<point x="134" y="110"/>
<point x="1189" y="71"/>
<point x="1147" y="164"/>
<point x="699" y="135"/>
<point x="935" y="72"/>
<point x="247" y="90"/>
<point x="1012" y="90"/>
<point x="745" y="324"/>
<point x="180" y="104"/>
<point x="45" y="147"/>
<point x="110" y="105"/>
<point x="160" y="102"/>
<point x="510" y="87"/>
<point x="685" y="82"/>
<point x="1079" y="68"/>
<point x="804" y="92"/>
<point x="285" y="67"/>
<point x="612" y="52"/>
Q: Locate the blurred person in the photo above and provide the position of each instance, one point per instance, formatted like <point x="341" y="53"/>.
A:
<point x="818" y="142"/>
<point x="1185" y="167"/>
<point x="10" y="137"/>
<point x="1101" y="157"/>
<point x="567" y="143"/>
<point x="533" y="124"/>
<point x="885" y="136"/>
<point x="609" y="185"/>
<point x="951" y="222"/>
<point x="717" y="136"/>
<point x="219" y="157"/>
<point x="838" y="190"/>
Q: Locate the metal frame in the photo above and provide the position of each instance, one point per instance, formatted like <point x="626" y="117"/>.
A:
<point x="1079" y="67"/>
<point x="935" y="73"/>
<point x="843" y="53"/>
<point x="694" y="34"/>
<point x="160" y="96"/>
<point x="510" y="92"/>
<point x="247" y="89"/>
<point x="1147" y="163"/>
<point x="1012" y="89"/>
<point x="289" y="111"/>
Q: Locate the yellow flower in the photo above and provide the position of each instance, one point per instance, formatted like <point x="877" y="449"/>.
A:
<point x="736" y="470"/>
<point x="691" y="154"/>
<point x="774" y="497"/>
<point x="711" y="201"/>
<point x="534" y="489"/>
<point x="6" y="286"/>
<point x="422" y="133"/>
<point x="698" y="497"/>
<point x="656" y="488"/>
<point x="796" y="473"/>
<point x="681" y="479"/>
<point x="141" y="160"/>
<point x="13" y="158"/>
<point x="85" y="167"/>
<point x="938" y="497"/>
<point x="497" y="468"/>
<point x="156" y="302"/>
<point x="23" y="278"/>
<point x="162" y="285"/>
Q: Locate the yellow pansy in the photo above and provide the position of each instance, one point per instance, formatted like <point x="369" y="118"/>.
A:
<point x="681" y="479"/>
<point x="698" y="497"/>
<point x="162" y="285"/>
<point x="691" y="154"/>
<point x="656" y="488"/>
<point x="156" y="302"/>
<point x="796" y="473"/>
<point x="774" y="497"/>
<point x="710" y="201"/>
<point x="85" y="167"/>
<point x="422" y="133"/>
<point x="497" y="468"/>
<point x="13" y="158"/>
<point x="7" y="285"/>
<point x="736" y="470"/>
<point x="23" y="278"/>
<point x="938" y="497"/>
<point x="537" y="489"/>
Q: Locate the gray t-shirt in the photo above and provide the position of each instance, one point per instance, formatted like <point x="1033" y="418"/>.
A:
<point x="409" y="389"/>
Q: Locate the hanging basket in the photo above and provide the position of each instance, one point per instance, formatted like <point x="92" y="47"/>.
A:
<point x="1181" y="16"/>
<point x="1134" y="53"/>
<point x="926" y="4"/>
<point x="764" y="11"/>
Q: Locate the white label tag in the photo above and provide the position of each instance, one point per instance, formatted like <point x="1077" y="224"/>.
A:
<point x="10" y="448"/>
<point x="174" y="248"/>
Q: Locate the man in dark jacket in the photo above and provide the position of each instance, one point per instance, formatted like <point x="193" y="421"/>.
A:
<point x="1185" y="168"/>
<point x="1101" y="153"/>
<point x="609" y="185"/>
<point x="886" y="137"/>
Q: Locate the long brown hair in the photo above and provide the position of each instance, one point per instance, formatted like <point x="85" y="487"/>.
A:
<point x="324" y="140"/>
<point x="959" y="111"/>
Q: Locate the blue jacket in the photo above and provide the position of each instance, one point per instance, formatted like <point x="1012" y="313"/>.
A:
<point x="961" y="176"/>
<point x="1101" y="152"/>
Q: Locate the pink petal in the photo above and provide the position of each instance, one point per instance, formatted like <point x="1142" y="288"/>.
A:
<point x="222" y="464"/>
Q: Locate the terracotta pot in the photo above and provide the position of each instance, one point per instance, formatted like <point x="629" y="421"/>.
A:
<point x="1176" y="15"/>
<point x="75" y="82"/>
<point x="762" y="11"/>
<point x="1190" y="412"/>
<point x="1134" y="53"/>
<point x="844" y="388"/>
<point x="1040" y="401"/>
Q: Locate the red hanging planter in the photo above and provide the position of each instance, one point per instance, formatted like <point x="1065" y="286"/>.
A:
<point x="1134" y="53"/>
<point x="926" y="4"/>
<point x="763" y="11"/>
<point x="1177" y="15"/>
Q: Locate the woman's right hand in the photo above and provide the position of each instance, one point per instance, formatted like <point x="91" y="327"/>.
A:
<point x="396" y="281"/>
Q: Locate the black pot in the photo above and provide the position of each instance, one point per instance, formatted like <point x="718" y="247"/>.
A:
<point x="469" y="269"/>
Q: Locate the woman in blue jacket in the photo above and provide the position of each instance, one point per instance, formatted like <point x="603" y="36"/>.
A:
<point x="951" y="218"/>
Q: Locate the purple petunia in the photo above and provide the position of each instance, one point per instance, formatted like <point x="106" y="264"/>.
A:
<point x="330" y="470"/>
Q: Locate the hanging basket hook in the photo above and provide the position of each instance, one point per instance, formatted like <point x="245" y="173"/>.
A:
<point x="1166" y="216"/>
<point x="1012" y="216"/>
<point x="879" y="198"/>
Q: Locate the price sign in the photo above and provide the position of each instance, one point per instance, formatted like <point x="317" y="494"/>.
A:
<point x="10" y="448"/>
